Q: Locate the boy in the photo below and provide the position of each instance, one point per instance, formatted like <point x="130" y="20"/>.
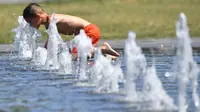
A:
<point x="66" y="24"/>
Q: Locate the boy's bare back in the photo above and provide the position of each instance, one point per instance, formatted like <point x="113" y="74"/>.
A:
<point x="68" y="24"/>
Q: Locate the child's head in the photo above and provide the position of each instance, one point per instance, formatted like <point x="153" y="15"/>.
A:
<point x="34" y="15"/>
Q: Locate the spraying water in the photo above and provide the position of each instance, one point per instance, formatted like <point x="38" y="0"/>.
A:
<point x="84" y="46"/>
<point x="154" y="92"/>
<point x="64" y="59"/>
<point x="104" y="74"/>
<point x="188" y="67"/>
<point x="25" y="39"/>
<point x="136" y="65"/>
<point x="52" y="47"/>
<point x="39" y="56"/>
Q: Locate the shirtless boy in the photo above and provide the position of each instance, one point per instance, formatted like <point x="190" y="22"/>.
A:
<point x="66" y="24"/>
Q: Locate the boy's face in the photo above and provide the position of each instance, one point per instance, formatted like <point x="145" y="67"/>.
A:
<point x="34" y="21"/>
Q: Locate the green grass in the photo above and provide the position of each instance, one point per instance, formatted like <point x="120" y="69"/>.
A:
<point x="148" y="18"/>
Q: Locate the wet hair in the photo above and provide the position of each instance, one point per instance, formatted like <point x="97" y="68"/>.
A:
<point x="31" y="10"/>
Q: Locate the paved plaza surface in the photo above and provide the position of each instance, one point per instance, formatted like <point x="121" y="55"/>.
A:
<point x="119" y="44"/>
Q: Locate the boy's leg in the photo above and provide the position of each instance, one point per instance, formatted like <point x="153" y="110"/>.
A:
<point x="106" y="49"/>
<point x="93" y="32"/>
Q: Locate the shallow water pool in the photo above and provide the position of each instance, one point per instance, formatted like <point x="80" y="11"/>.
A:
<point x="26" y="88"/>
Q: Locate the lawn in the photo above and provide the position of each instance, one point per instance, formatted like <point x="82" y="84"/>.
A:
<point x="148" y="18"/>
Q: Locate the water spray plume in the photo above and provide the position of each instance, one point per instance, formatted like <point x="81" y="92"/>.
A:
<point x="136" y="65"/>
<point x="105" y="75"/>
<point x="188" y="69"/>
<point x="52" y="47"/>
<point x="25" y="39"/>
<point x="64" y="59"/>
<point x="84" y="47"/>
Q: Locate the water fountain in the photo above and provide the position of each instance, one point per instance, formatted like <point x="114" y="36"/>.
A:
<point x="154" y="92"/>
<point x="135" y="66"/>
<point x="25" y="39"/>
<point x="53" y="57"/>
<point x="187" y="67"/>
<point x="84" y="46"/>
<point x="52" y="47"/>
<point x="64" y="59"/>
<point x="105" y="75"/>
<point x="39" y="56"/>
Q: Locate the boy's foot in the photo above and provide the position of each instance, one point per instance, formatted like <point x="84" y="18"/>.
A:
<point x="111" y="57"/>
<point x="107" y="49"/>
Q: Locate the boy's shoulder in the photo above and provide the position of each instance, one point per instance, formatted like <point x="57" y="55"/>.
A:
<point x="59" y="16"/>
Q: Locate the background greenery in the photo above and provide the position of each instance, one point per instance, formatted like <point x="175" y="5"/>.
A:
<point x="148" y="18"/>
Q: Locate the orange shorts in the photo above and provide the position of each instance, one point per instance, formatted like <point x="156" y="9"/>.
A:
<point x="92" y="31"/>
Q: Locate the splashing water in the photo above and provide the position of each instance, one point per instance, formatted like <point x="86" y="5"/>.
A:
<point x="105" y="75"/>
<point x="39" y="56"/>
<point x="52" y="47"/>
<point x="153" y="91"/>
<point x="84" y="46"/>
<point x="136" y="67"/>
<point x="188" y="67"/>
<point x="135" y="63"/>
<point x="64" y="59"/>
<point x="25" y="39"/>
